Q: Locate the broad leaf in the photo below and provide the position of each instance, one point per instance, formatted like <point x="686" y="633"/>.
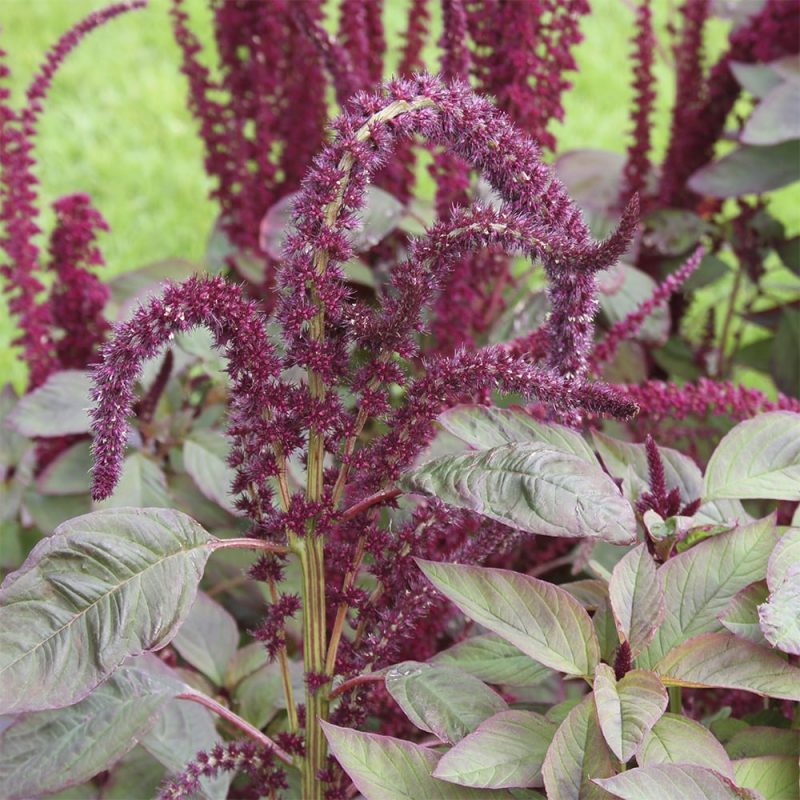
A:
<point x="542" y="620"/>
<point x="493" y="660"/>
<point x="775" y="777"/>
<point x="68" y="473"/>
<point x="699" y="583"/>
<point x="45" y="751"/>
<point x="741" y="615"/>
<point x="675" y="782"/>
<point x="385" y="768"/>
<point x="636" y="287"/>
<point x="142" y="484"/>
<point x="103" y="587"/>
<point x="785" y="555"/>
<point x="627" y="462"/>
<point x="208" y="638"/>
<point x="779" y="617"/>
<point x="675" y="739"/>
<point x="205" y="459"/>
<point x="759" y="458"/>
<point x="748" y="170"/>
<point x="627" y="709"/>
<point x="484" y="427"/>
<point x="532" y="487"/>
<point x="776" y="119"/>
<point x="443" y="701"/>
<point x="761" y="740"/>
<point x="725" y="661"/>
<point x="577" y="755"/>
<point x="505" y="751"/>
<point x="137" y="774"/>
<point x="59" y="407"/>
<point x="636" y="591"/>
<point x="785" y="358"/>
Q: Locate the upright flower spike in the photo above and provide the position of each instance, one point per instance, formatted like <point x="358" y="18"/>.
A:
<point x="18" y="197"/>
<point x="637" y="166"/>
<point x="78" y="297"/>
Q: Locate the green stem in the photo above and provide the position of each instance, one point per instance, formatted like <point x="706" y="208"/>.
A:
<point x="675" y="700"/>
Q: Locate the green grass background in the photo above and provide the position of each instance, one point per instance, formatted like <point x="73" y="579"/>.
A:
<point x="116" y="124"/>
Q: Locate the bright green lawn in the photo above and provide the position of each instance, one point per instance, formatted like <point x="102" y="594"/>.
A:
<point x="116" y="125"/>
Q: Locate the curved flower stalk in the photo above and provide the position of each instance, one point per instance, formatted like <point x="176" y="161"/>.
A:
<point x="18" y="199"/>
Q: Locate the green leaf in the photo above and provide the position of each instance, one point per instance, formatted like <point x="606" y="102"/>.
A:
<point x="103" y="587"/>
<point x="699" y="583"/>
<point x="672" y="231"/>
<point x="675" y="782"/>
<point x="789" y="252"/>
<point x="741" y="615"/>
<point x="675" y="739"/>
<point x="758" y="79"/>
<point x="785" y="362"/>
<point x="779" y="617"/>
<point x="46" y="751"/>
<point x="443" y="701"/>
<point x="541" y="619"/>
<point x="531" y="487"/>
<point x="142" y="484"/>
<point x="761" y="740"/>
<point x="776" y="118"/>
<point x="748" y="170"/>
<point x="259" y="696"/>
<point x="522" y="316"/>
<point x="775" y="777"/>
<point x="636" y="592"/>
<point x="505" y="751"/>
<point x="785" y="555"/>
<point x="627" y="709"/>
<point x="385" y="768"/>
<point x="725" y="661"/>
<point x="759" y="458"/>
<point x="138" y="773"/>
<point x="627" y="462"/>
<point x="492" y="660"/>
<point x="208" y="638"/>
<point x="577" y="755"/>
<point x="67" y="473"/>
<point x="636" y="287"/>
<point x="59" y="407"/>
<point x="205" y="459"/>
<point x="484" y="427"/>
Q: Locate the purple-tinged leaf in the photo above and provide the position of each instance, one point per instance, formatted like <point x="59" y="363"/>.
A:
<point x="505" y="751"/>
<point x="531" y="487"/>
<point x="628" y="709"/>
<point x="484" y="427"/>
<point x="606" y="629"/>
<point x="636" y="287"/>
<point x="723" y="660"/>
<point x="441" y="700"/>
<point x="759" y="458"/>
<point x="785" y="555"/>
<point x="785" y="359"/>
<point x="672" y="231"/>
<point x="700" y="582"/>
<point x="675" y="782"/>
<point x="385" y="768"/>
<point x="627" y="462"/>
<point x="577" y="756"/>
<point x="675" y="739"/>
<point x="59" y="407"/>
<point x="740" y="616"/>
<point x="492" y="659"/>
<point x="68" y="472"/>
<point x="776" y="119"/>
<point x="45" y="751"/>
<point x="542" y="620"/>
<point x="757" y="79"/>
<point x="749" y="170"/>
<point x="103" y="587"/>
<point x="636" y="591"/>
<point x="591" y="593"/>
<point x="208" y="638"/>
<point x="774" y="777"/>
<point x="779" y="617"/>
